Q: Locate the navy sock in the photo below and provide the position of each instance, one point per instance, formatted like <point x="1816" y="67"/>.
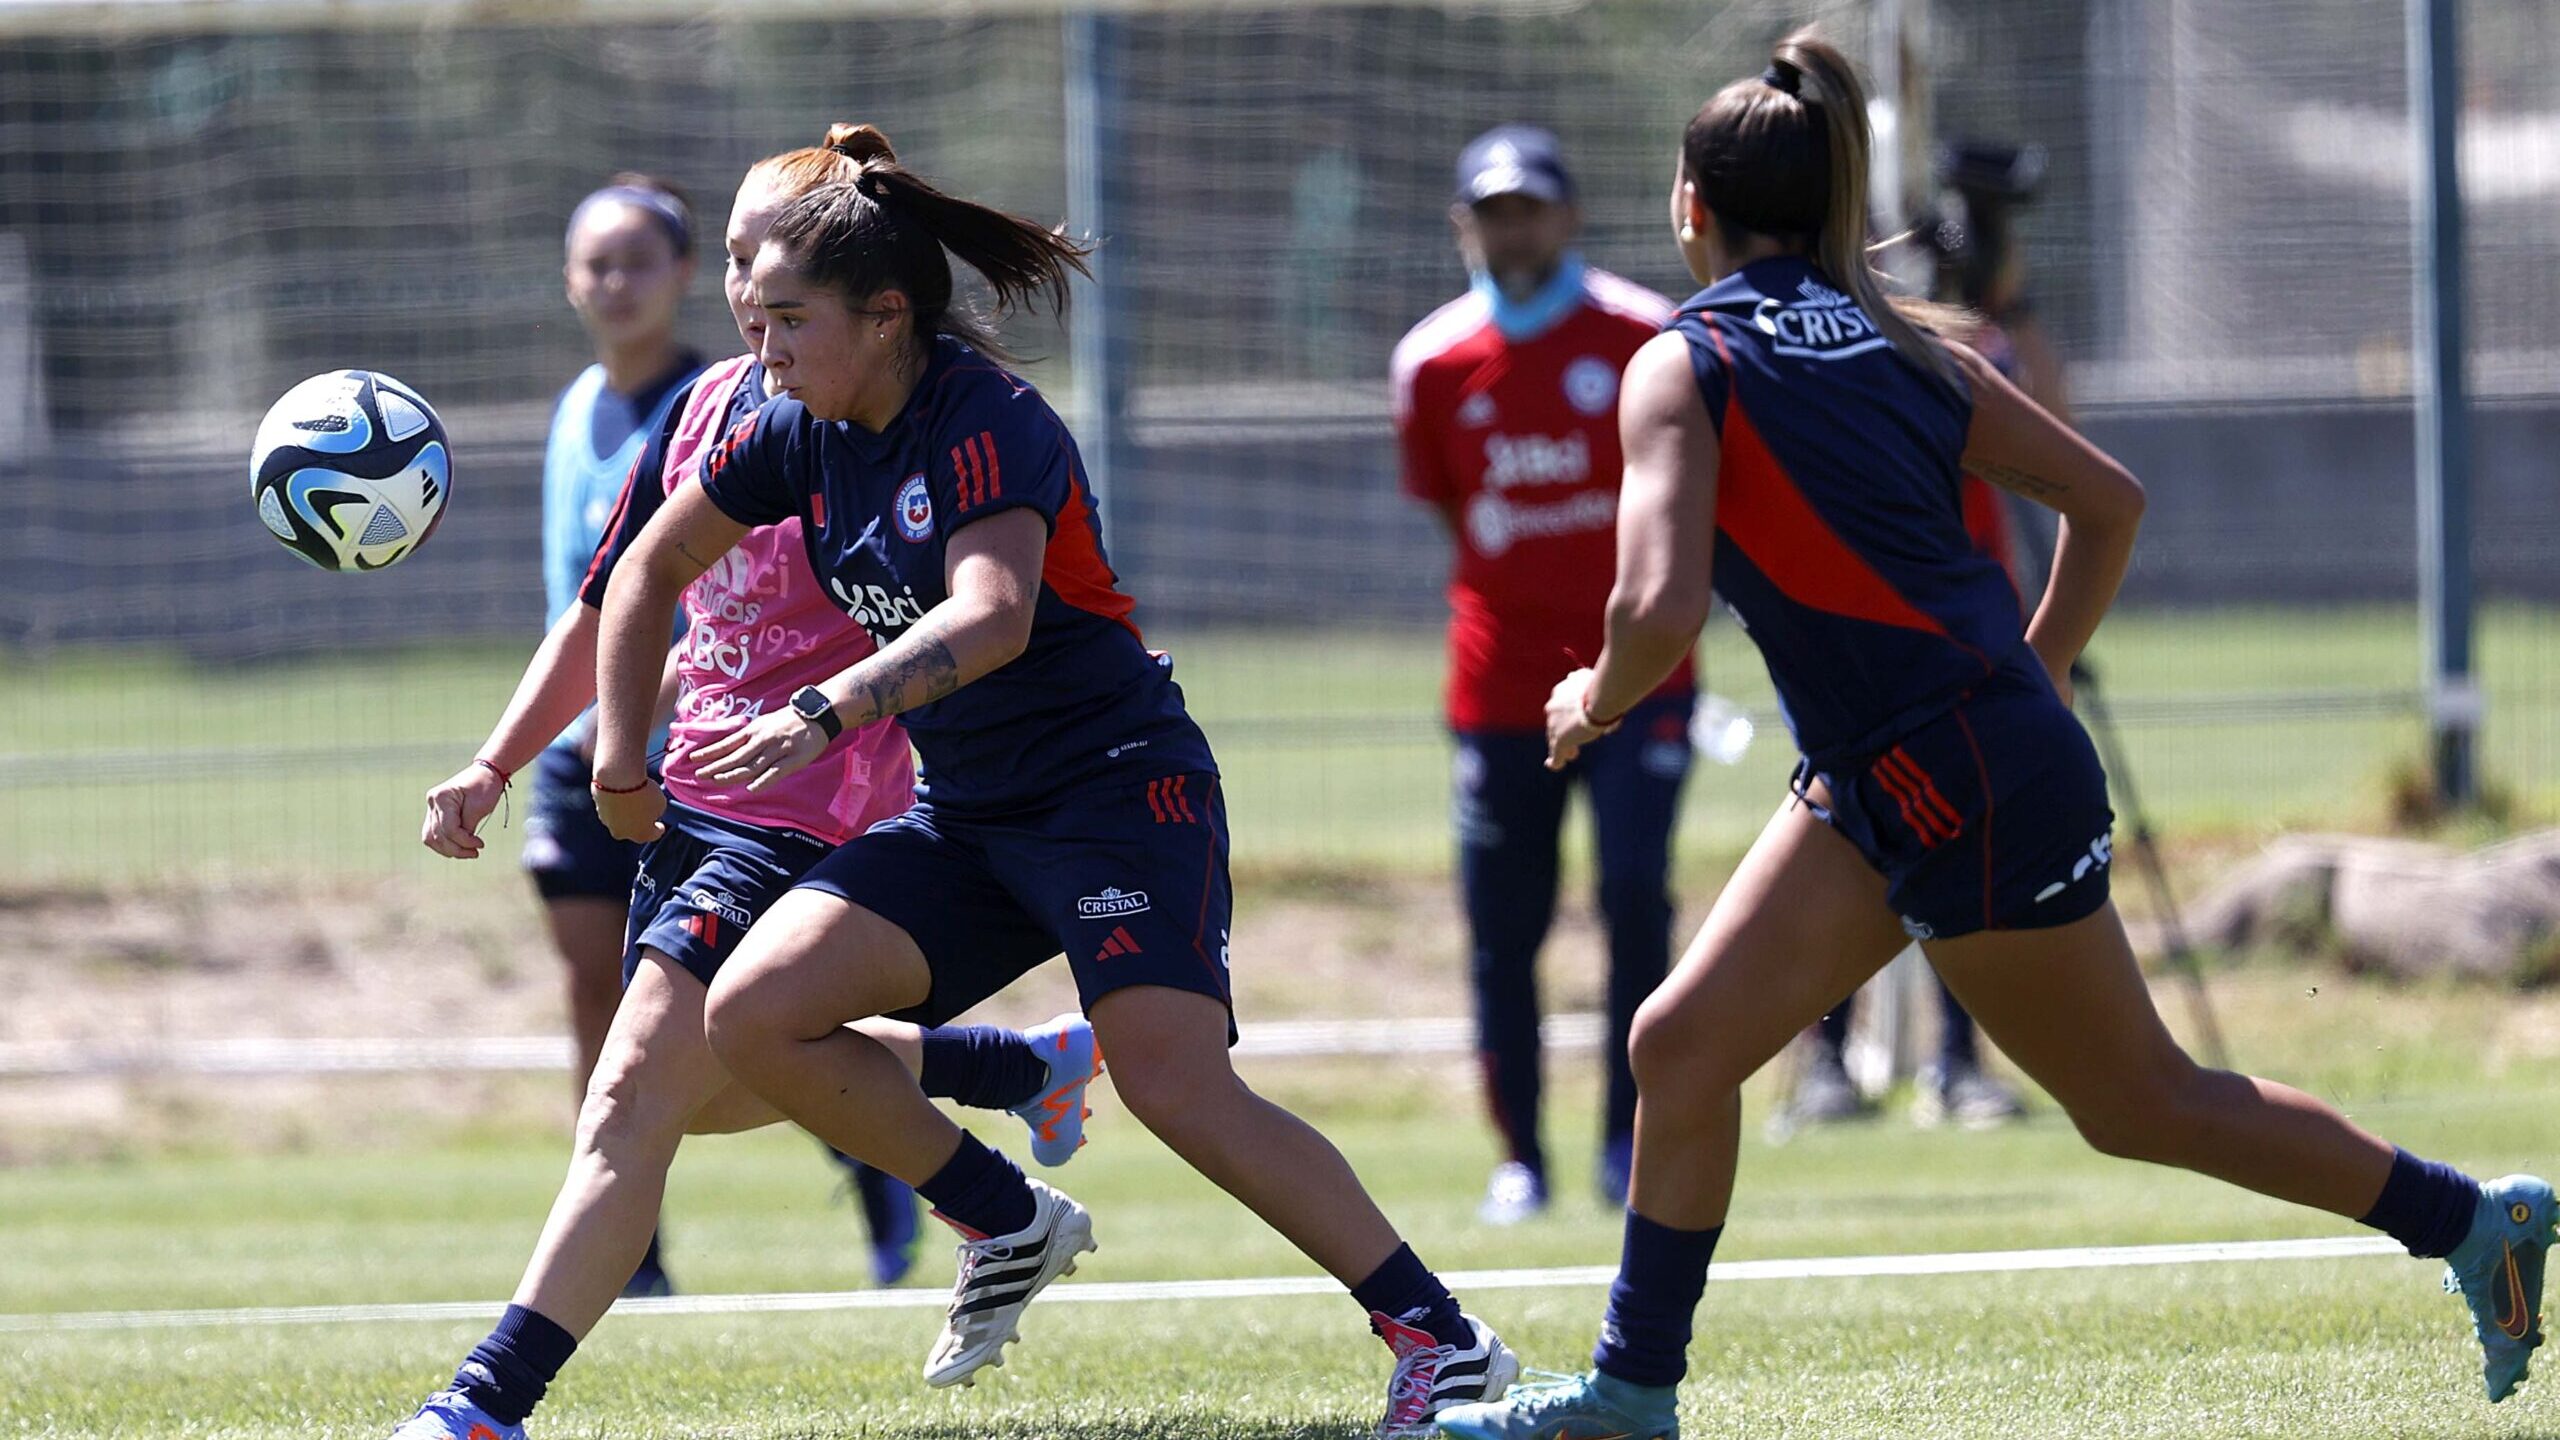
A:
<point x="1956" y="1047"/>
<point x="985" y="1067"/>
<point x="981" y="1190"/>
<point x="1404" y="1290"/>
<point x="2426" y="1205"/>
<point x="507" y="1373"/>
<point x="1654" y="1302"/>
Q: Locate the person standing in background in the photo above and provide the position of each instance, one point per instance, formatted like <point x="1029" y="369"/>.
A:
<point x="630" y="261"/>
<point x="1506" y="407"/>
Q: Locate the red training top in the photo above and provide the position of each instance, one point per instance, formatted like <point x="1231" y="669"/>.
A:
<point x="1522" y="438"/>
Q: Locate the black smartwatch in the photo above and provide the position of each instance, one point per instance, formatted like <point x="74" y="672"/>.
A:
<point x="812" y="705"/>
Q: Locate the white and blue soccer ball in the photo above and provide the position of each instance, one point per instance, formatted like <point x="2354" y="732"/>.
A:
<point x="351" y="470"/>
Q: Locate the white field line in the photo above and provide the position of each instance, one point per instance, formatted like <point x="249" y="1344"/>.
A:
<point x="74" y="1059"/>
<point x="1842" y="1267"/>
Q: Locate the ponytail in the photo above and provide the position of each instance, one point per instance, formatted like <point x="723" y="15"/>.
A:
<point x="1785" y="154"/>
<point x="884" y="227"/>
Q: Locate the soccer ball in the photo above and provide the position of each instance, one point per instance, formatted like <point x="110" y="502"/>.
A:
<point x="351" y="470"/>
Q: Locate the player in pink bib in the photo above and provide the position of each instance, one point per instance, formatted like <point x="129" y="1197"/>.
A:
<point x="757" y="628"/>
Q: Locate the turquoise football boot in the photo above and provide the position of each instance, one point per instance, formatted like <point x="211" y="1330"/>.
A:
<point x="452" y="1415"/>
<point x="2497" y="1270"/>
<point x="1584" y="1407"/>
<point x="1057" y="1114"/>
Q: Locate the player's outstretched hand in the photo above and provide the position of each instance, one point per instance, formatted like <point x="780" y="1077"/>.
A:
<point x="762" y="751"/>
<point x="456" y="808"/>
<point x="1569" y="726"/>
<point x="633" y="814"/>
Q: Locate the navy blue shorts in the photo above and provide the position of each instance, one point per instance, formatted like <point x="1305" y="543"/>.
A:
<point x="1128" y="881"/>
<point x="1992" y="816"/>
<point x="566" y="848"/>
<point x="704" y="882"/>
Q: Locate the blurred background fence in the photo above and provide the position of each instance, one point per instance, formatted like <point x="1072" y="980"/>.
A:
<point x="201" y="204"/>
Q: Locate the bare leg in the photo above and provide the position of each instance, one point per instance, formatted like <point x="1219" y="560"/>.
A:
<point x="778" y="1022"/>
<point x="1169" y="1064"/>
<point x="654" y="1074"/>
<point x="588" y="933"/>
<point x="739" y="1108"/>
<point x="2069" y="1006"/>
<point x="1801" y="924"/>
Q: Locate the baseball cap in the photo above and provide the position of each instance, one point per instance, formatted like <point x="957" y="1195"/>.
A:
<point x="1513" y="160"/>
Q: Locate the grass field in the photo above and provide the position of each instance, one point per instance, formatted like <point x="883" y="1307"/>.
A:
<point x="2238" y="721"/>
<point x="444" y="1209"/>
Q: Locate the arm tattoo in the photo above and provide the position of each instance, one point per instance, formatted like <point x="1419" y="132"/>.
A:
<point x="2018" y="482"/>
<point x="698" y="562"/>
<point x="918" y="670"/>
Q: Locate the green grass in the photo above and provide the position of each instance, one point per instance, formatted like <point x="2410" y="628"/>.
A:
<point x="2347" y="1348"/>
<point x="1330" y="743"/>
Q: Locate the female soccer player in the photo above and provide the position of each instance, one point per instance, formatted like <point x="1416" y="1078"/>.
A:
<point x="1067" y="801"/>
<point x="760" y="627"/>
<point x="1807" y="438"/>
<point x="630" y="259"/>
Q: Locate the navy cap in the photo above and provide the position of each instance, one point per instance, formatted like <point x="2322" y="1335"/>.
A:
<point x="1514" y="160"/>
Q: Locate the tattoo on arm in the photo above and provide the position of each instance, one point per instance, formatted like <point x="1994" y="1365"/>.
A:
<point x="2018" y="482"/>
<point x="891" y="687"/>
<point x="687" y="552"/>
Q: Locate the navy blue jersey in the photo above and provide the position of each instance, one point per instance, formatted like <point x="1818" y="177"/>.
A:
<point x="1085" y="702"/>
<point x="1840" y="539"/>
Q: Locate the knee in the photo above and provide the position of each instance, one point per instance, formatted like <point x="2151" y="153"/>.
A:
<point x="621" y="1116"/>
<point x="739" y="1018"/>
<point x="1670" y="1054"/>
<point x="1174" y="1102"/>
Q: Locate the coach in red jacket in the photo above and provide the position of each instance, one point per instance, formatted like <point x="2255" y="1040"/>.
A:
<point x="1507" y="414"/>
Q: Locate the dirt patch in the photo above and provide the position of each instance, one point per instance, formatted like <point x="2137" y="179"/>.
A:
<point x="398" y="960"/>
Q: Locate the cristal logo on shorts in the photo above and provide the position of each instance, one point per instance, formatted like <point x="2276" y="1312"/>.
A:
<point x="1112" y="903"/>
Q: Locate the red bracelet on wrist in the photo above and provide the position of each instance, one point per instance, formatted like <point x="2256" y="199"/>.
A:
<point x="1594" y="721"/>
<point x="505" y="777"/>
<point x="602" y="788"/>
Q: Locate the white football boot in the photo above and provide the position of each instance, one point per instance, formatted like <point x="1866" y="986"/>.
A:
<point x="999" y="1275"/>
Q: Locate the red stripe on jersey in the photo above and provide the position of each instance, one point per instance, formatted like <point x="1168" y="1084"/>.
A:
<point x="960" y="472"/>
<point x="1760" y="508"/>
<point x="1074" y="567"/>
<point x="613" y="523"/>
<point x="729" y="448"/>
<point x="982" y="457"/>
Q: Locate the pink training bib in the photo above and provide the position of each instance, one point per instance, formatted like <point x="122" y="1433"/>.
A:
<point x="759" y="628"/>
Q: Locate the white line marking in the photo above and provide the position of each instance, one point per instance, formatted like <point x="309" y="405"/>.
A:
<point x="70" y="1059"/>
<point x="1839" y="1267"/>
